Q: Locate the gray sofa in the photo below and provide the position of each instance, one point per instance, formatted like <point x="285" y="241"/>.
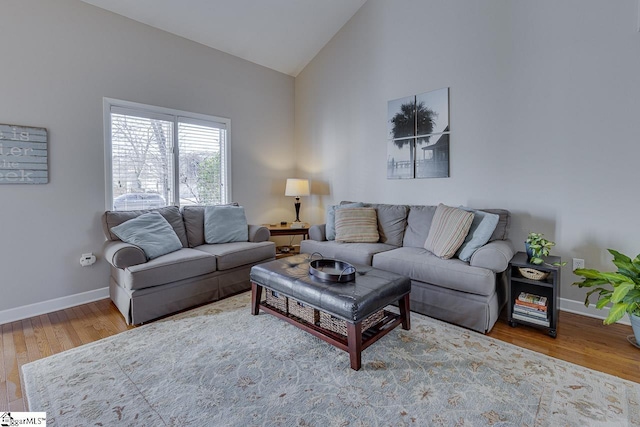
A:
<point x="469" y="294"/>
<point x="196" y="274"/>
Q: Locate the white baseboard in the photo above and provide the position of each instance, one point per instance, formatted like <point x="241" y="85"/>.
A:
<point x="31" y="310"/>
<point x="578" y="307"/>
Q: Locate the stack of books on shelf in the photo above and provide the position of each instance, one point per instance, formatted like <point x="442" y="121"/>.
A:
<point x="531" y="308"/>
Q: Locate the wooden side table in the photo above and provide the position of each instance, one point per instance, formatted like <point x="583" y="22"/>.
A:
<point x="547" y="287"/>
<point x="286" y="230"/>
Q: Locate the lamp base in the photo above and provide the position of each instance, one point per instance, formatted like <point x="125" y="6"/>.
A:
<point x="297" y="205"/>
<point x="297" y="225"/>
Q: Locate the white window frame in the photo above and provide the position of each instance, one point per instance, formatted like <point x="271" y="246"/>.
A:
<point x="161" y="113"/>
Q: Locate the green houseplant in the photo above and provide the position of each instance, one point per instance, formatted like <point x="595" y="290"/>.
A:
<point x="537" y="247"/>
<point x="621" y="289"/>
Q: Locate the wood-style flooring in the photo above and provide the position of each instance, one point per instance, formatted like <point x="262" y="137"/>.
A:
<point x="581" y="340"/>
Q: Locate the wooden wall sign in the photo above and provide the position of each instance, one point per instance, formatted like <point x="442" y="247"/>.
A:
<point x="23" y="155"/>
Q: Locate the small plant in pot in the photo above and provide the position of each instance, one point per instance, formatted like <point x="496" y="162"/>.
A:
<point x="537" y="247"/>
<point x="621" y="289"/>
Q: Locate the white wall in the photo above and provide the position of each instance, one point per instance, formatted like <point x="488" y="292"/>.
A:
<point x="545" y="114"/>
<point x="59" y="59"/>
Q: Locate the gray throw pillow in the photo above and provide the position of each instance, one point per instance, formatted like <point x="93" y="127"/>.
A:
<point x="225" y="224"/>
<point x="151" y="232"/>
<point x="479" y="234"/>
<point x="330" y="226"/>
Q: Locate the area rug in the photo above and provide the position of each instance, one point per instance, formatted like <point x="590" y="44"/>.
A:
<point x="219" y="366"/>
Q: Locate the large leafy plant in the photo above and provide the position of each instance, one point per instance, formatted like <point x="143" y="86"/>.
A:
<point x="621" y="288"/>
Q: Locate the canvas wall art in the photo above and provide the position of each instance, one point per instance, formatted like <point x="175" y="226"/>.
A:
<point x="418" y="136"/>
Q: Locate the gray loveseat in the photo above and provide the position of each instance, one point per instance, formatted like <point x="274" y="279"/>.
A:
<point x="196" y="274"/>
<point x="469" y="294"/>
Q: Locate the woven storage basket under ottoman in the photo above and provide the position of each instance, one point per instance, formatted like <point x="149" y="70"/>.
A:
<point x="276" y="300"/>
<point x="303" y="311"/>
<point x="334" y="324"/>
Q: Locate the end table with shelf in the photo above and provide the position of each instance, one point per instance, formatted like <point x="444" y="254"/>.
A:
<point x="287" y="230"/>
<point x="547" y="287"/>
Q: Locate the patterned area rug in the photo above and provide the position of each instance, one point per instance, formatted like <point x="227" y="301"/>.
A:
<point x="219" y="366"/>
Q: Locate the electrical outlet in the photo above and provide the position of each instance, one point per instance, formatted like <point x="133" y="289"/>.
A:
<point x="578" y="263"/>
<point x="87" y="259"/>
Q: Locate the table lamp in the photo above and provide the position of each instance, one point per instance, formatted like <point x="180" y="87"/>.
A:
<point x="296" y="188"/>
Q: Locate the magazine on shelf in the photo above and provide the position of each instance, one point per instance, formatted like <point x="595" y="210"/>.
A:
<point x="531" y="305"/>
<point x="530" y="312"/>
<point x="532" y="298"/>
<point x="534" y="320"/>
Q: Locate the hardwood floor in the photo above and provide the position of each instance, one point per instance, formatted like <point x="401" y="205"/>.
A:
<point x="41" y="336"/>
<point x="581" y="340"/>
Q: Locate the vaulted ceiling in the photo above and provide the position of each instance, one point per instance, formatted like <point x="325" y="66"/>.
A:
<point x="283" y="35"/>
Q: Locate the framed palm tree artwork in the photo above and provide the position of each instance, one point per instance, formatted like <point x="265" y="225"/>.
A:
<point x="401" y="138"/>
<point x="432" y="134"/>
<point x="418" y="136"/>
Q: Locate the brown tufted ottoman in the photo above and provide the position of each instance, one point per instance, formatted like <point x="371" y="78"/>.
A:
<point x="352" y="302"/>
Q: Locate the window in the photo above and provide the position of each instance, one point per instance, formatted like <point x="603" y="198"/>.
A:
<point x="159" y="157"/>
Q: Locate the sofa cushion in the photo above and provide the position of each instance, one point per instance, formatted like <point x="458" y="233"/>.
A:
<point x="418" y="224"/>
<point x="170" y="213"/>
<point x="225" y="224"/>
<point x="235" y="254"/>
<point x="482" y="227"/>
<point x="392" y="222"/>
<point x="182" y="264"/>
<point x="504" y="222"/>
<point x="194" y="224"/>
<point x="356" y="253"/>
<point x="330" y="220"/>
<point x="421" y="265"/>
<point x="448" y="230"/>
<point x="151" y="233"/>
<point x="356" y="225"/>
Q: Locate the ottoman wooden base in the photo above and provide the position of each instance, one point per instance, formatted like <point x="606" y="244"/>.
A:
<point x="355" y="341"/>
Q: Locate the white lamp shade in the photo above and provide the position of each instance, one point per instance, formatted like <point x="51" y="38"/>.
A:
<point x="297" y="187"/>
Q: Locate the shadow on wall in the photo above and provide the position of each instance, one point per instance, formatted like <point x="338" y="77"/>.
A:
<point x="317" y="188"/>
<point x="320" y="188"/>
<point x="523" y="223"/>
<point x="317" y="202"/>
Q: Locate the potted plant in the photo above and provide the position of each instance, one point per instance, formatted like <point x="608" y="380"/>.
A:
<point x="621" y="289"/>
<point x="538" y="247"/>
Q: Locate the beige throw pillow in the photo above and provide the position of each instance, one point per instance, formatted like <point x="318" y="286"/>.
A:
<point x="448" y="231"/>
<point x="356" y="225"/>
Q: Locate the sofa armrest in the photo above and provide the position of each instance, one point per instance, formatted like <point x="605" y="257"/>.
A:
<point x="494" y="256"/>
<point x="318" y="232"/>
<point x="258" y="233"/>
<point x="122" y="255"/>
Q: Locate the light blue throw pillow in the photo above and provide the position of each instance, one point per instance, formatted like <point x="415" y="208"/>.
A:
<point x="225" y="224"/>
<point x="151" y="232"/>
<point x="330" y="226"/>
<point x="482" y="227"/>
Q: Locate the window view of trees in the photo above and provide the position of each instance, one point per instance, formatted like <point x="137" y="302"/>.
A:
<point x="141" y="149"/>
<point x="200" y="164"/>
<point x="143" y="163"/>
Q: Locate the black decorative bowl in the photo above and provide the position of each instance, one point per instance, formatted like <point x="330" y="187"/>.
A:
<point x="332" y="270"/>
